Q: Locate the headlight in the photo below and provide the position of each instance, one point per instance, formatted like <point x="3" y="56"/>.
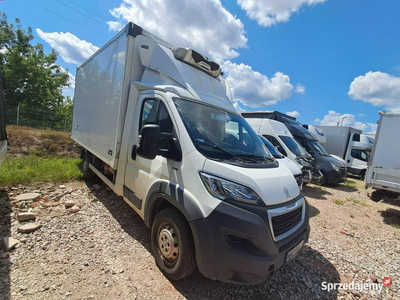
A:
<point x="335" y="166"/>
<point x="227" y="190"/>
<point x="303" y="163"/>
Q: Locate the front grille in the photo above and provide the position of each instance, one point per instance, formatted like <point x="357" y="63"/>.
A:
<point x="299" y="179"/>
<point x="285" y="222"/>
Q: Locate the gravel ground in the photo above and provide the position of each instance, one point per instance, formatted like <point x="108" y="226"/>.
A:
<point x="103" y="250"/>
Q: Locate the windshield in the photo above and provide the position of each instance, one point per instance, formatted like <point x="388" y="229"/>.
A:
<point x="293" y="146"/>
<point x="275" y="153"/>
<point x="316" y="147"/>
<point x="221" y="135"/>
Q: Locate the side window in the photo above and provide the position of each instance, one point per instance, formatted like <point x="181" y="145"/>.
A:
<point x="149" y="113"/>
<point x="356" y="137"/>
<point x="359" y="154"/>
<point x="164" y="120"/>
<point x="276" y="144"/>
<point x="155" y="112"/>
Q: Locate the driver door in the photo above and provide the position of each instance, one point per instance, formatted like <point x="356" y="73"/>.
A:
<point x="140" y="172"/>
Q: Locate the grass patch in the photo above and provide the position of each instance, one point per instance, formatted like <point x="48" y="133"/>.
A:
<point x="358" y="202"/>
<point x="352" y="216"/>
<point x="25" y="170"/>
<point x="395" y="225"/>
<point x="338" y="202"/>
<point x="350" y="184"/>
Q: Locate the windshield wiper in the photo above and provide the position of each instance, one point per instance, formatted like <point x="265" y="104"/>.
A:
<point x="253" y="158"/>
<point x="214" y="147"/>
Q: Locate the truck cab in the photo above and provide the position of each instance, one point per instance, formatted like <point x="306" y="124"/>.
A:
<point x="160" y="129"/>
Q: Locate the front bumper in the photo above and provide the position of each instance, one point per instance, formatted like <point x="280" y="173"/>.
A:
<point x="236" y="244"/>
<point x="334" y="176"/>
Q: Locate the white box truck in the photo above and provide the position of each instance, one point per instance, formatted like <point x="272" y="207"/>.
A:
<point x="158" y="126"/>
<point x="349" y="144"/>
<point x="383" y="172"/>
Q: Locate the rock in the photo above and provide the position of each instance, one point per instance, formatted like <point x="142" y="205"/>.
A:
<point x="69" y="203"/>
<point x="374" y="280"/>
<point x="27" y="197"/>
<point x="61" y="186"/>
<point x="74" y="209"/>
<point x="30" y="227"/>
<point x="97" y="187"/>
<point x="26" y="216"/>
<point x="9" y="243"/>
<point x="308" y="284"/>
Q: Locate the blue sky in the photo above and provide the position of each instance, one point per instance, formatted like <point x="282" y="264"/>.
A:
<point x="320" y="60"/>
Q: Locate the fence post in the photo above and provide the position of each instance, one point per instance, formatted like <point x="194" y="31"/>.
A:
<point x="18" y="113"/>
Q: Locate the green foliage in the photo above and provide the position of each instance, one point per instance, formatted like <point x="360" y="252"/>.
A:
<point x="30" y="77"/>
<point x="25" y="170"/>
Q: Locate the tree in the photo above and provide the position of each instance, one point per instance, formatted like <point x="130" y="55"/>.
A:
<point x="30" y="77"/>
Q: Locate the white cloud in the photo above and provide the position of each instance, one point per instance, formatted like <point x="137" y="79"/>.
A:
<point x="115" y="25"/>
<point x="294" y="114"/>
<point x="237" y="107"/>
<point x="254" y="89"/>
<point x="378" y="89"/>
<point x="334" y="118"/>
<point x="69" y="91"/>
<point x="205" y="25"/>
<point x="301" y="89"/>
<point x="271" y="12"/>
<point x="71" y="48"/>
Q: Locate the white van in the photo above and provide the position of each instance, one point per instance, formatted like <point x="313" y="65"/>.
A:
<point x="291" y="165"/>
<point x="158" y="126"/>
<point x="278" y="134"/>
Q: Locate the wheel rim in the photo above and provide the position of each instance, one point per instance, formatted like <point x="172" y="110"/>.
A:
<point x="168" y="245"/>
<point x="85" y="166"/>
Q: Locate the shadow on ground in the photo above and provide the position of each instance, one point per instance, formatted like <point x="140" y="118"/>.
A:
<point x="5" y="231"/>
<point x="301" y="278"/>
<point x="391" y="217"/>
<point x="315" y="192"/>
<point x="313" y="211"/>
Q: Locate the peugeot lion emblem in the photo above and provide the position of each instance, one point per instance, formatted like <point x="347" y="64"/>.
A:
<point x="286" y="192"/>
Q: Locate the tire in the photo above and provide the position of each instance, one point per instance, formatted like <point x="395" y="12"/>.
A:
<point x="172" y="244"/>
<point x="87" y="173"/>
<point x="362" y="176"/>
<point x="323" y="179"/>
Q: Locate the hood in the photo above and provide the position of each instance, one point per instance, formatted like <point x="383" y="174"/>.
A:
<point x="273" y="185"/>
<point x="337" y="160"/>
<point x="291" y="165"/>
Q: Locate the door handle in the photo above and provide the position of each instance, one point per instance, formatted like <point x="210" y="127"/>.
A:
<point x="133" y="154"/>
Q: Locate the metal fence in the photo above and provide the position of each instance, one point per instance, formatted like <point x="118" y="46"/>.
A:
<point x="40" y="120"/>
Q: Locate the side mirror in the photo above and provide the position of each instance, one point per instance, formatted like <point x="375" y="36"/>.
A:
<point x="149" y="139"/>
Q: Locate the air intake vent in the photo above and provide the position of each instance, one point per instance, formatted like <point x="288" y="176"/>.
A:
<point x="196" y="60"/>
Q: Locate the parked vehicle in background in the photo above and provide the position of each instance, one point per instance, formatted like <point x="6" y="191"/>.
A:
<point x="333" y="170"/>
<point x="3" y="135"/>
<point x="291" y="165"/>
<point x="158" y="126"/>
<point x="317" y="132"/>
<point x="349" y="144"/>
<point x="383" y="173"/>
<point x="280" y="137"/>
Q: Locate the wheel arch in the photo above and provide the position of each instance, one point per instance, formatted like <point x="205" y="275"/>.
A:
<point x="163" y="194"/>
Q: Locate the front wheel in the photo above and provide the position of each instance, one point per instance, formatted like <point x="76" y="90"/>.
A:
<point x="172" y="243"/>
<point x="87" y="173"/>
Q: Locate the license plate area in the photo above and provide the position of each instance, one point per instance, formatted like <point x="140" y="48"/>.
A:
<point x="292" y="253"/>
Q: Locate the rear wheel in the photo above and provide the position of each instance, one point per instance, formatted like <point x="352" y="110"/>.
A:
<point x="172" y="244"/>
<point x="87" y="173"/>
